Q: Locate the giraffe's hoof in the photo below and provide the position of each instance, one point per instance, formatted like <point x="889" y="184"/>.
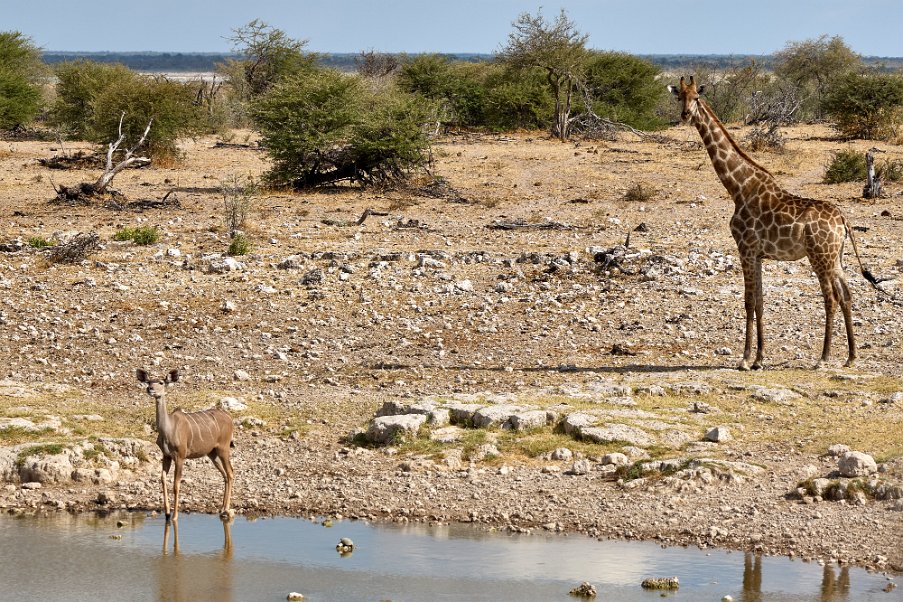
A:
<point x="743" y="367"/>
<point x="849" y="363"/>
<point x="818" y="365"/>
<point x="758" y="366"/>
<point x="227" y="514"/>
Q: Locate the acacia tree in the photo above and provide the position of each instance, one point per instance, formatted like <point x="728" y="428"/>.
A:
<point x="556" y="47"/>
<point x="268" y="56"/>
<point x="813" y="65"/>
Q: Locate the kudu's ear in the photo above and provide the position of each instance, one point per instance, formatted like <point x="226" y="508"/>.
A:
<point x="674" y="90"/>
<point x="141" y="375"/>
<point x="172" y="377"/>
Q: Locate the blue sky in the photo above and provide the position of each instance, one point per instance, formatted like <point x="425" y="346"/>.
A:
<point x="870" y="27"/>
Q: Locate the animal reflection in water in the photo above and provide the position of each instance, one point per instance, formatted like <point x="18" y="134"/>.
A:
<point x="834" y="587"/>
<point x="183" y="435"/>
<point x="174" y="528"/>
<point x="189" y="577"/>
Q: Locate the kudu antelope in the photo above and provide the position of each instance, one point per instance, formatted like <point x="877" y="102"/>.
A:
<point x="184" y="435"/>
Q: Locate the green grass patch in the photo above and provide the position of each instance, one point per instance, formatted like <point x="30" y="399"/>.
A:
<point x="143" y="235"/>
<point x="39" y="242"/>
<point x="44" y="449"/>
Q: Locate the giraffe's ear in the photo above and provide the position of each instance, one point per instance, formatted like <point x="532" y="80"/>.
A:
<point x="700" y="89"/>
<point x="673" y="90"/>
<point x="141" y="375"/>
<point x="172" y="377"/>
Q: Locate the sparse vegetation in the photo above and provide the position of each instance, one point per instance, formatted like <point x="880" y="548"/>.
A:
<point x="238" y="195"/>
<point x="640" y="192"/>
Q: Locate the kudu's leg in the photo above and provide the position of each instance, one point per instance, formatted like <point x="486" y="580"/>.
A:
<point x="167" y="462"/>
<point x="176" y="485"/>
<point x="223" y="463"/>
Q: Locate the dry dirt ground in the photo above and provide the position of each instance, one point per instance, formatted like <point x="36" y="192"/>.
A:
<point x="429" y="302"/>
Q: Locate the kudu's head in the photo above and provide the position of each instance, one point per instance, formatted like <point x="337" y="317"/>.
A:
<point x="156" y="387"/>
<point x="688" y="95"/>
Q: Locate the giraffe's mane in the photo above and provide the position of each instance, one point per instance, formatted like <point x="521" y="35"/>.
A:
<point x="733" y="142"/>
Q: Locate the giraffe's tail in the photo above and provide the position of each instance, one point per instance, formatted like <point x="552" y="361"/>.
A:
<point x="865" y="272"/>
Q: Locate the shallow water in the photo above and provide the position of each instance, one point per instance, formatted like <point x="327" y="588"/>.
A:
<point x="88" y="557"/>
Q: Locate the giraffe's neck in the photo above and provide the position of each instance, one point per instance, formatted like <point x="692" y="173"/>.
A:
<point x="741" y="176"/>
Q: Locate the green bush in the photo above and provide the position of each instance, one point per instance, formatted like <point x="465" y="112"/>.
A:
<point x="79" y="83"/>
<point x="517" y="99"/>
<point x="21" y="72"/>
<point x="477" y="95"/>
<point x="170" y="104"/>
<point x="867" y="106"/>
<point x="91" y="99"/>
<point x="625" y="88"/>
<point x="846" y="166"/>
<point x="143" y="235"/>
<point x="240" y="245"/>
<point x="325" y="126"/>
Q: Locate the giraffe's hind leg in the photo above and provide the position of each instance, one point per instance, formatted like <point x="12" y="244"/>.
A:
<point x="845" y="298"/>
<point x="826" y="281"/>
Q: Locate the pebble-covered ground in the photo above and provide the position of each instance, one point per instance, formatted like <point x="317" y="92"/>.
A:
<point x="563" y="380"/>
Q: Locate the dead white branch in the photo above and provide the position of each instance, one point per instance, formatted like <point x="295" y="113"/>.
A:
<point x="110" y="172"/>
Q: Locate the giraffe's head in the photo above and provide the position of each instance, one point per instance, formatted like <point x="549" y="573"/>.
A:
<point x="688" y="95"/>
<point x="156" y="387"/>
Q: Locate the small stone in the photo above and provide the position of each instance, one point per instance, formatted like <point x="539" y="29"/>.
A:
<point x="718" y="434"/>
<point x="661" y="583"/>
<point x="241" y="375"/>
<point x="838" y="449"/>
<point x="857" y="464"/>
<point x="228" y="307"/>
<point x="295" y="596"/>
<point x="584" y="590"/>
<point x="561" y="453"/>
<point x="232" y="404"/>
<point x="580" y="467"/>
<point x="616" y="459"/>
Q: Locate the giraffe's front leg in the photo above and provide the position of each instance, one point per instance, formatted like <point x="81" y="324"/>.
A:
<point x="749" y="305"/>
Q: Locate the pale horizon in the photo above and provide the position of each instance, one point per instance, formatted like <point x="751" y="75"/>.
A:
<point x="695" y="27"/>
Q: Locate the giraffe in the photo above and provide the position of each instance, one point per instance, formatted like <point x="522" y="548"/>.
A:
<point x="772" y="223"/>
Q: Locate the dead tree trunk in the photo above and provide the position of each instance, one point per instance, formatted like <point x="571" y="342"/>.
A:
<point x="87" y="190"/>
<point x="872" y="188"/>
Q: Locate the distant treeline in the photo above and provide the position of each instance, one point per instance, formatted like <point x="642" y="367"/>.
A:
<point x="207" y="61"/>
